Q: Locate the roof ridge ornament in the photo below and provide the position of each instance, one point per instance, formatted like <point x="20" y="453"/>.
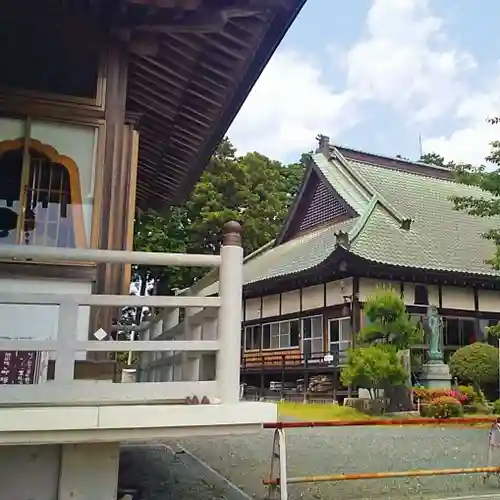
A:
<point x="323" y="144"/>
<point x="342" y="239"/>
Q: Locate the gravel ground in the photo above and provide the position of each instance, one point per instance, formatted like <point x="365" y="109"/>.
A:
<point x="245" y="460"/>
<point x="158" y="474"/>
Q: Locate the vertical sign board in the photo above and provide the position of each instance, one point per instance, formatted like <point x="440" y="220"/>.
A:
<point x="20" y="367"/>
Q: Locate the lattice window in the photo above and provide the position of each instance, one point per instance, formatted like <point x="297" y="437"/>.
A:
<point x="36" y="202"/>
<point x="324" y="207"/>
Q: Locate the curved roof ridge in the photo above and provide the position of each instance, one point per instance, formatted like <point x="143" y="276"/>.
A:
<point x="403" y="219"/>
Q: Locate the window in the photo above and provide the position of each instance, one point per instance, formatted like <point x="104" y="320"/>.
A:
<point x="276" y="335"/>
<point x="312" y="337"/>
<point x="40" y="199"/>
<point x="266" y="336"/>
<point x="421" y="296"/>
<point x="253" y="337"/>
<point x="458" y="331"/>
<point x="340" y="334"/>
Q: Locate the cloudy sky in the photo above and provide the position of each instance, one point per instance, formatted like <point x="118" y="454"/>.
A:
<point x="374" y="74"/>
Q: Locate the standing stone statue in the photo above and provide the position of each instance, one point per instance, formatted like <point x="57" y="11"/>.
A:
<point x="435" y="373"/>
<point x="435" y="333"/>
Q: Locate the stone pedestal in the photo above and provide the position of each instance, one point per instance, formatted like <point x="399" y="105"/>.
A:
<point x="436" y="375"/>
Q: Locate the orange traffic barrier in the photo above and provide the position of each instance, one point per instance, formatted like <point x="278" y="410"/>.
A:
<point x="380" y="421"/>
<point x="278" y="480"/>
<point x="384" y="475"/>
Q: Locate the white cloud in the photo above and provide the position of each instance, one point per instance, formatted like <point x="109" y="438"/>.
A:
<point x="289" y="105"/>
<point x="404" y="61"/>
<point x="470" y="142"/>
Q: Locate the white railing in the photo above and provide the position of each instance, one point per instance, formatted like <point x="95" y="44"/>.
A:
<point x="174" y="355"/>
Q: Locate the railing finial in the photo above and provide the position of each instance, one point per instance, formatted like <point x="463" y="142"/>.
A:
<point x="232" y="234"/>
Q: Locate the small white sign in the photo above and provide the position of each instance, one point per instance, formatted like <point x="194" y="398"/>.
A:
<point x="328" y="358"/>
<point x="100" y="334"/>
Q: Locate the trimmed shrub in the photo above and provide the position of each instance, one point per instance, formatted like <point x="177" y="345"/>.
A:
<point x="475" y="363"/>
<point x="444" y="407"/>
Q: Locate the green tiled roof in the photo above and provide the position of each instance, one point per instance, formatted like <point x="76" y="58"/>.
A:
<point x="296" y="255"/>
<point x="357" y="196"/>
<point x="439" y="238"/>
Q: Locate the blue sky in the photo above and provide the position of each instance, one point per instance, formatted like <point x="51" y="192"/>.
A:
<point x="376" y="74"/>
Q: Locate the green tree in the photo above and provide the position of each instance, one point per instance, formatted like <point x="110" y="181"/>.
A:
<point x="375" y="367"/>
<point x="251" y="189"/>
<point x="387" y="321"/>
<point x="436" y="159"/>
<point x="475" y="363"/>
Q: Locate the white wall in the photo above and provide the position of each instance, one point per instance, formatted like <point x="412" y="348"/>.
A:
<point x="29" y="472"/>
<point x="318" y="296"/>
<point x="312" y="297"/>
<point x="86" y="471"/>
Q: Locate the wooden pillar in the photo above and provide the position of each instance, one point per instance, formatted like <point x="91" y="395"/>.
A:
<point x="282" y="376"/>
<point x="306" y="382"/>
<point x="114" y="231"/>
<point x="478" y="334"/>
<point x="355" y="318"/>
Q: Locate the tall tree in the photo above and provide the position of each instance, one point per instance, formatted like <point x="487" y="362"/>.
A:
<point x="251" y="189"/>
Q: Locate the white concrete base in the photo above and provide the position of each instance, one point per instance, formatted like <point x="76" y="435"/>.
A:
<point x="67" y="472"/>
<point x="92" y="424"/>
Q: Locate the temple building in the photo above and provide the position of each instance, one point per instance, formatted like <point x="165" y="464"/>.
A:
<point x="360" y="220"/>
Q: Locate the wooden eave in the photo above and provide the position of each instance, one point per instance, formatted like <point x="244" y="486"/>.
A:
<point x="191" y="65"/>
<point x="188" y="91"/>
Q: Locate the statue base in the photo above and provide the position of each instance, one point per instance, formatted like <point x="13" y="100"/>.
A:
<point x="436" y="375"/>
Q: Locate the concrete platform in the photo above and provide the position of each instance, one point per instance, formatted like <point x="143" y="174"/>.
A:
<point x="92" y="424"/>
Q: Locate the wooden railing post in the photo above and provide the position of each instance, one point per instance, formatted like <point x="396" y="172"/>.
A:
<point x="230" y="315"/>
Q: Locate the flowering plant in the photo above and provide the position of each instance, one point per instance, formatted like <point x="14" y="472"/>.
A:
<point x="444" y="407"/>
<point x="427" y="395"/>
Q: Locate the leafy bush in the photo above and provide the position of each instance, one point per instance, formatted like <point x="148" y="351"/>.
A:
<point x="476" y="363"/>
<point x="374" y="368"/>
<point x="427" y="395"/>
<point x="473" y="396"/>
<point x="496" y="407"/>
<point x="444" y="407"/>
<point x="476" y="408"/>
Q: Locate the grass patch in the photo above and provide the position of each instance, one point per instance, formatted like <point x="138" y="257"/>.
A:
<point x="301" y="411"/>
<point x="319" y="412"/>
